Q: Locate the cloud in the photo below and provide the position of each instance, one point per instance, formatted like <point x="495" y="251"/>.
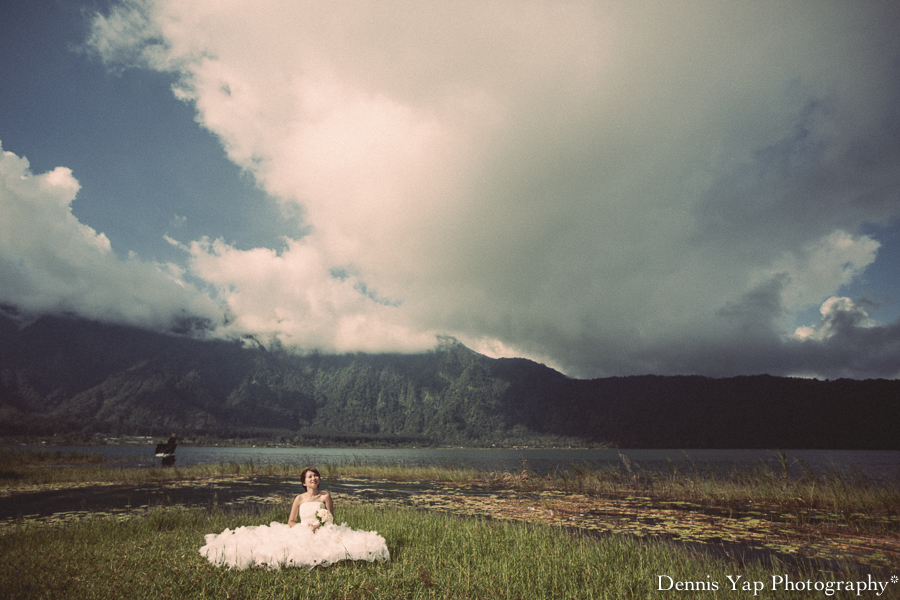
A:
<point x="619" y="187"/>
<point x="845" y="343"/>
<point x="825" y="265"/>
<point x="290" y="297"/>
<point x="838" y="315"/>
<point x="52" y="263"/>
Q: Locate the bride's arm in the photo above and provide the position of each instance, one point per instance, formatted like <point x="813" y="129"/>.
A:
<point x="329" y="504"/>
<point x="295" y="508"/>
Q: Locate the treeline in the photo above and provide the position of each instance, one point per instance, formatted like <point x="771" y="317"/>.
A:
<point x="73" y="377"/>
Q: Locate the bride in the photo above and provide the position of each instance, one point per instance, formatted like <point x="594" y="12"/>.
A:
<point x="317" y="541"/>
<point x="313" y="497"/>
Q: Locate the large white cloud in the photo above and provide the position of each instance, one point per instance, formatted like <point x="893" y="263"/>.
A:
<point x="52" y="263"/>
<point x="616" y="187"/>
<point x="292" y="298"/>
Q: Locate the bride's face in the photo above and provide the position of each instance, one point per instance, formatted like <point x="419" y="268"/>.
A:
<point x="312" y="480"/>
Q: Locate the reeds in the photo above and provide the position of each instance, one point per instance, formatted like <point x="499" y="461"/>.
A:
<point x="24" y="468"/>
<point x="401" y="470"/>
<point x="29" y="467"/>
<point x="783" y="486"/>
<point x="845" y="491"/>
<point x="19" y="458"/>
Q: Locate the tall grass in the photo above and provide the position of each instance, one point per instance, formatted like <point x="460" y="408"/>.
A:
<point x="402" y="471"/>
<point x="22" y="458"/>
<point x="29" y="467"/>
<point x="433" y="555"/>
<point x="848" y="491"/>
<point x="23" y="468"/>
<point x="841" y="491"/>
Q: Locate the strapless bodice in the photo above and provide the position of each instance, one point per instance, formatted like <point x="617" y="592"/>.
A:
<point x="308" y="511"/>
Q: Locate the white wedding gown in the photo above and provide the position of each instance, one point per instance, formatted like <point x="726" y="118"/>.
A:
<point x="277" y="545"/>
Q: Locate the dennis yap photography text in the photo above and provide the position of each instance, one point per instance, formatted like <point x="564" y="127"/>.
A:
<point x="736" y="583"/>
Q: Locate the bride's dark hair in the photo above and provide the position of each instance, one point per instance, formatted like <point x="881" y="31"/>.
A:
<point x="303" y="475"/>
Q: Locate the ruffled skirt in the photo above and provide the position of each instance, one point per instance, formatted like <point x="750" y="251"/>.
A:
<point x="276" y="545"/>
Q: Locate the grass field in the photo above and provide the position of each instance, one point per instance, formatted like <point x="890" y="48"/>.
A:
<point x="433" y="555"/>
<point x="486" y="553"/>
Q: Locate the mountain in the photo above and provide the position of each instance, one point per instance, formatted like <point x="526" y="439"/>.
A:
<point x="71" y="376"/>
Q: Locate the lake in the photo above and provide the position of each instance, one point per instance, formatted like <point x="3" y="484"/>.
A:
<point x="878" y="464"/>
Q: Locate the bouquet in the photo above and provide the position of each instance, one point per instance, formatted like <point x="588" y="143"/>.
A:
<point x="324" y="517"/>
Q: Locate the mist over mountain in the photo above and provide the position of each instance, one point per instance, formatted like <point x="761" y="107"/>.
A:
<point x="72" y="376"/>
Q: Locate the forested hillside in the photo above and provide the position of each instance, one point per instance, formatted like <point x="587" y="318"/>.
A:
<point x="71" y="376"/>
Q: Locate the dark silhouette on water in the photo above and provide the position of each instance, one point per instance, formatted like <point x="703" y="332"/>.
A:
<point x="166" y="451"/>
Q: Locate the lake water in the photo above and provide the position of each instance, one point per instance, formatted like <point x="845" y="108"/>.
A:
<point x="878" y="464"/>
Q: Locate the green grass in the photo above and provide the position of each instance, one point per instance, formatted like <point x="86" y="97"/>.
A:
<point x="433" y="555"/>
<point x="154" y="554"/>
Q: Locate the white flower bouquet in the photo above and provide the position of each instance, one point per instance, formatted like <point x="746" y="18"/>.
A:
<point x="324" y="517"/>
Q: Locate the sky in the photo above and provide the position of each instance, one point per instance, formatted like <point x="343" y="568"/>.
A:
<point x="609" y="187"/>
